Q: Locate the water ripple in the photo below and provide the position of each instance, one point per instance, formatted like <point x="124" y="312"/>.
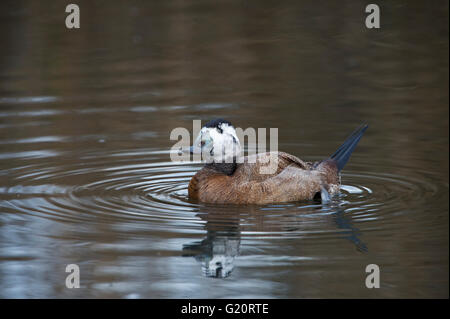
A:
<point x="156" y="193"/>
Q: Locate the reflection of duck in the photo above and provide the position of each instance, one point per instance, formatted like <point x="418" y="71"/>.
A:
<point x="216" y="255"/>
<point x="218" y="250"/>
<point x="344" y="222"/>
<point x="262" y="178"/>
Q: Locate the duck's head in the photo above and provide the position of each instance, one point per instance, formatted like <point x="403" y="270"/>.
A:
<point x="217" y="142"/>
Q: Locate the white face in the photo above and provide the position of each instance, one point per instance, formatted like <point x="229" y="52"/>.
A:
<point x="219" y="266"/>
<point x="218" y="146"/>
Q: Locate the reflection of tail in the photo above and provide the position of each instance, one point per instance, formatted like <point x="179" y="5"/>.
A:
<point x="342" y="155"/>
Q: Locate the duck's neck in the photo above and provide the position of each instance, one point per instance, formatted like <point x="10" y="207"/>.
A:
<point x="224" y="168"/>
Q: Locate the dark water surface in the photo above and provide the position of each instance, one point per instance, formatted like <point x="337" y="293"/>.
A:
<point x="85" y="172"/>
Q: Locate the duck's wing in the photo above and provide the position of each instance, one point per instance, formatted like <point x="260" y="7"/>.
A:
<point x="259" y="167"/>
<point x="288" y="159"/>
<point x="270" y="178"/>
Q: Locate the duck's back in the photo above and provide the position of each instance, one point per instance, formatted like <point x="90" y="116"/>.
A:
<point x="265" y="178"/>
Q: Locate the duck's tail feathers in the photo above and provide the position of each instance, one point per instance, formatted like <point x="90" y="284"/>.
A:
<point x="342" y="155"/>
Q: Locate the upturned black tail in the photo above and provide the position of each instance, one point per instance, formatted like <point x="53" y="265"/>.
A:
<point x="342" y="155"/>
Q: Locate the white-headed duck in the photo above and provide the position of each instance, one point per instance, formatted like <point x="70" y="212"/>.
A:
<point x="225" y="179"/>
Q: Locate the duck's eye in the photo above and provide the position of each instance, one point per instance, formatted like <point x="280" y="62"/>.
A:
<point x="202" y="143"/>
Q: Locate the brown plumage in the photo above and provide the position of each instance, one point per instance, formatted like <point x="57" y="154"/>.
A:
<point x="291" y="179"/>
<point x="294" y="180"/>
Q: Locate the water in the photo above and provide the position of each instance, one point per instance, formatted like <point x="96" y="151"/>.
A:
<point x="86" y="177"/>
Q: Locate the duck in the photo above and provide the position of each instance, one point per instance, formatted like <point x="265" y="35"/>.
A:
<point x="262" y="178"/>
